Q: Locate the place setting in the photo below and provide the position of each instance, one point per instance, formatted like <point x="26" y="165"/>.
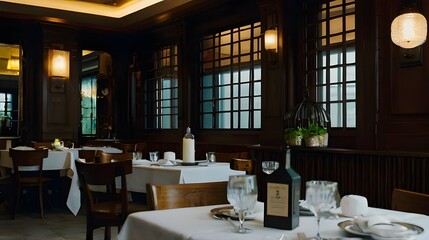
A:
<point x="379" y="227"/>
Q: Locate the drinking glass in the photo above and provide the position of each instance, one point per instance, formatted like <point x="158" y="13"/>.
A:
<point x="242" y="192"/>
<point x="211" y="157"/>
<point x="320" y="197"/>
<point x="153" y="156"/>
<point x="269" y="167"/>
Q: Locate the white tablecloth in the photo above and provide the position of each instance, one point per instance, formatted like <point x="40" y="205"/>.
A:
<point x="197" y="223"/>
<point x="56" y="160"/>
<point x="59" y="160"/>
<point x="145" y="173"/>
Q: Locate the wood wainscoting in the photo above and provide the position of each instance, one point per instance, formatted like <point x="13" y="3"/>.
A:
<point x="372" y="174"/>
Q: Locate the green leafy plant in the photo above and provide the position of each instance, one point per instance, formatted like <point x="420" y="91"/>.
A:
<point x="293" y="136"/>
<point x="293" y="132"/>
<point x="313" y="130"/>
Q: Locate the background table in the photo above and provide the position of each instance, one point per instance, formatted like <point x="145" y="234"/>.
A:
<point x="62" y="160"/>
<point x="146" y="173"/>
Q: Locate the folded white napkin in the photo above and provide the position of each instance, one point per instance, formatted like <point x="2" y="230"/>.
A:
<point x="383" y="226"/>
<point x="164" y="162"/>
<point x="141" y="161"/>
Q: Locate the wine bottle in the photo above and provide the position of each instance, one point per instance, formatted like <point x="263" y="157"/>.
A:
<point x="283" y="186"/>
<point x="188" y="147"/>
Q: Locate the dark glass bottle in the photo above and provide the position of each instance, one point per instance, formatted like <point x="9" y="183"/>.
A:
<point x="283" y="188"/>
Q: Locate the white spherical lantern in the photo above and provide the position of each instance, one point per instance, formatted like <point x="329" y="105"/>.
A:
<point x="409" y="30"/>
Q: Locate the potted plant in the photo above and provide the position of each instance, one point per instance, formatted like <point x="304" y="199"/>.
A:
<point x="293" y="136"/>
<point x="315" y="135"/>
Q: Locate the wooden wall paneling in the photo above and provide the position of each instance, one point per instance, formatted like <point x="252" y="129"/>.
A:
<point x="367" y="173"/>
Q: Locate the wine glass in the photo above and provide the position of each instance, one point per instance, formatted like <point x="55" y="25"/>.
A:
<point x="242" y="192"/>
<point x="269" y="167"/>
<point x="320" y="197"/>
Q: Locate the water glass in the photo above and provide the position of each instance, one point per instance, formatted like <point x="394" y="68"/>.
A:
<point x="242" y="192"/>
<point x="320" y="197"/>
<point x="154" y="156"/>
<point x="269" y="167"/>
<point x="211" y="157"/>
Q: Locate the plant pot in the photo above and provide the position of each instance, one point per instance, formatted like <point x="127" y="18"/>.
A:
<point x="317" y="140"/>
<point x="312" y="141"/>
<point x="293" y="141"/>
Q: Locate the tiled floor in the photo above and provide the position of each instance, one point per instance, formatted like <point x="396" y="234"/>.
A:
<point x="57" y="225"/>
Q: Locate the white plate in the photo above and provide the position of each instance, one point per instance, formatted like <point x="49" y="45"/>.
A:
<point x="348" y="227"/>
<point x="351" y="230"/>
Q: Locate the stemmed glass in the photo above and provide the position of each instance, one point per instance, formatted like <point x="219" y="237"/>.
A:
<point x="269" y="167"/>
<point x="242" y="192"/>
<point x="320" y="197"/>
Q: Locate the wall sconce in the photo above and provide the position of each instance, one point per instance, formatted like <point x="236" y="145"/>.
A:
<point x="59" y="62"/>
<point x="58" y="69"/>
<point x="270" y="40"/>
<point x="409" y="30"/>
<point x="13" y="64"/>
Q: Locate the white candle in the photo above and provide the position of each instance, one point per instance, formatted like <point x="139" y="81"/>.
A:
<point x="188" y="150"/>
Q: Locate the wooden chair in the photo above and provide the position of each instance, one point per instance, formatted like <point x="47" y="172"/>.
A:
<point x="110" y="212"/>
<point x="408" y="201"/>
<point x="102" y="157"/>
<point x="87" y="154"/>
<point x="126" y="147"/>
<point x="28" y="158"/>
<point x="41" y="145"/>
<point x="186" y="195"/>
<point x="242" y="165"/>
<point x="228" y="156"/>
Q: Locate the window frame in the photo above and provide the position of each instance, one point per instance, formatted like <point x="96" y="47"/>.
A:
<point x="209" y="113"/>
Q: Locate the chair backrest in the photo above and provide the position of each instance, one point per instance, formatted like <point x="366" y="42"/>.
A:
<point x="126" y="147"/>
<point x="87" y="154"/>
<point x="242" y="165"/>
<point x="186" y="195"/>
<point x="102" y="157"/>
<point x="38" y="145"/>
<point x="27" y="158"/>
<point x="408" y="201"/>
<point x="227" y="156"/>
<point x="104" y="174"/>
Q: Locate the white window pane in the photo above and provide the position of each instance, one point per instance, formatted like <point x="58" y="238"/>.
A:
<point x="351" y="115"/>
<point x="351" y="73"/>
<point x="336" y="92"/>
<point x="350" y="91"/>
<point x="336" y="115"/>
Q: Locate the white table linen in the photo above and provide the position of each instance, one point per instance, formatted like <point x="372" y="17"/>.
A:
<point x="146" y="173"/>
<point x="197" y="223"/>
<point x="62" y="160"/>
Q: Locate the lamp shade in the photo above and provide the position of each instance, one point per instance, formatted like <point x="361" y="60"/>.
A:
<point x="13" y="64"/>
<point x="270" y="38"/>
<point x="409" y="30"/>
<point x="59" y="61"/>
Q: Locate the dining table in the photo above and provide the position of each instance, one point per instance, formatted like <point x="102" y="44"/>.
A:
<point x="151" y="172"/>
<point x="63" y="160"/>
<point x="199" y="223"/>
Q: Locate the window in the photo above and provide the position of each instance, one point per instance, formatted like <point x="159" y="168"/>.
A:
<point x="89" y="105"/>
<point x="88" y="91"/>
<point x="331" y="59"/>
<point x="230" y="82"/>
<point x="161" y="90"/>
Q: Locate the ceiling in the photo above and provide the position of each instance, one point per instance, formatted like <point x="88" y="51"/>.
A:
<point x="100" y="14"/>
